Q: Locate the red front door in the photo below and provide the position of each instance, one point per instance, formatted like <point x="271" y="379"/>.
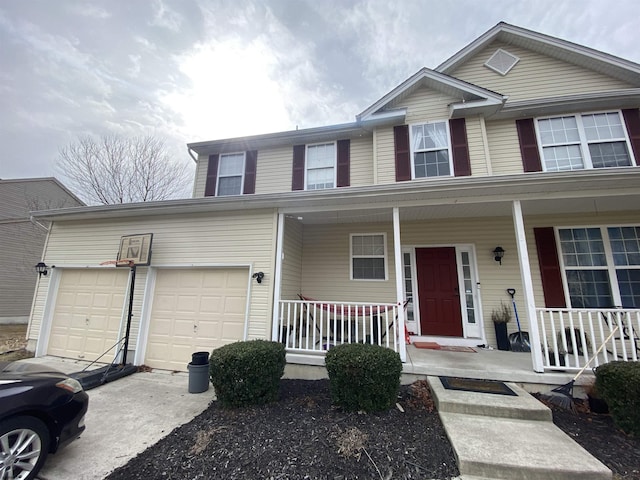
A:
<point x="438" y="292"/>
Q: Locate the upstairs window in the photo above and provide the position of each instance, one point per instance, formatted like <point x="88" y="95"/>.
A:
<point x="321" y="166"/>
<point x="576" y="142"/>
<point x="431" y="150"/>
<point x="368" y="256"/>
<point x="230" y="174"/>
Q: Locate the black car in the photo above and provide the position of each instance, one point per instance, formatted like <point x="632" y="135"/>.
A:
<point x="40" y="411"/>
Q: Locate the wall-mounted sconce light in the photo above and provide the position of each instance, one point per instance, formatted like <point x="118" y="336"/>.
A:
<point x="258" y="276"/>
<point x="42" y="269"/>
<point x="498" y="253"/>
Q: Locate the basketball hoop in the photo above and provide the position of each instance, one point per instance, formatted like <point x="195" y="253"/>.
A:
<point x="125" y="262"/>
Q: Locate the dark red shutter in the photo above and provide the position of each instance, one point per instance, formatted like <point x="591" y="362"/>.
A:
<point x="632" y="121"/>
<point x="549" y="268"/>
<point x="344" y="163"/>
<point x="212" y="176"/>
<point x="403" y="153"/>
<point x="459" y="147"/>
<point x="528" y="145"/>
<point x="297" y="177"/>
<point x="250" y="165"/>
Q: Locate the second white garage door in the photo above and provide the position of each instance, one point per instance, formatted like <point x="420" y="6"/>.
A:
<point x="195" y="309"/>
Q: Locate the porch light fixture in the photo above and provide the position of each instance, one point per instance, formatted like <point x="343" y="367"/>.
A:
<point x="498" y="253"/>
<point x="42" y="269"/>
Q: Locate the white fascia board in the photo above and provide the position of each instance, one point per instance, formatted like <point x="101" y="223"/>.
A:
<point x="486" y="107"/>
<point x="623" y="180"/>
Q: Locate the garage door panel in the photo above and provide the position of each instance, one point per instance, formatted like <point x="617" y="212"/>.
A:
<point x="88" y="312"/>
<point x="212" y="300"/>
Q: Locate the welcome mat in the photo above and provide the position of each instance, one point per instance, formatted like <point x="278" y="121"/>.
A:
<point x="445" y="348"/>
<point x="474" y="385"/>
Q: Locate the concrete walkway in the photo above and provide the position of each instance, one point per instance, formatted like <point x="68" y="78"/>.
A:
<point x="510" y="437"/>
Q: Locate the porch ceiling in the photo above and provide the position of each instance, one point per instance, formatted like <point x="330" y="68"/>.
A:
<point x="471" y="210"/>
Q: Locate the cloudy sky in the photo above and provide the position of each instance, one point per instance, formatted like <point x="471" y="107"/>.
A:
<point x="192" y="70"/>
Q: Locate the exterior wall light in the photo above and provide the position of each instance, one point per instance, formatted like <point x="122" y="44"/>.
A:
<point x="42" y="269"/>
<point x="498" y="253"/>
<point x="258" y="276"/>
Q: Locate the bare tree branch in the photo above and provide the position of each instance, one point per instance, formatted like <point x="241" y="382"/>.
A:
<point x="115" y="169"/>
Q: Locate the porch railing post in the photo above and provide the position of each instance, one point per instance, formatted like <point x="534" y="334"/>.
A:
<point x="277" y="281"/>
<point x="397" y="247"/>
<point x="527" y="283"/>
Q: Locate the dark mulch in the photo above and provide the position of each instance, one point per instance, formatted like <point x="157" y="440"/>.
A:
<point x="303" y="437"/>
<point x="598" y="435"/>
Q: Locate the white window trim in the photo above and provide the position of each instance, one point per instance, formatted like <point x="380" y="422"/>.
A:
<point x="218" y="177"/>
<point x="583" y="143"/>
<point x="385" y="257"/>
<point x="335" y="162"/>
<point x="610" y="267"/>
<point x="413" y="152"/>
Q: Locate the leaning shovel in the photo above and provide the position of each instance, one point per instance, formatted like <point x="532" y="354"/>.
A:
<point x="519" y="340"/>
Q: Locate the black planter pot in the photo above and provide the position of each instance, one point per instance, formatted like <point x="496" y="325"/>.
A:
<point x="501" y="336"/>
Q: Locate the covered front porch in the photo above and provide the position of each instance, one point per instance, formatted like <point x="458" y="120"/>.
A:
<point x="418" y="264"/>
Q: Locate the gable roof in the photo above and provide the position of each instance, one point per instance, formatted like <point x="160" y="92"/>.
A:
<point x="472" y="97"/>
<point x="580" y="55"/>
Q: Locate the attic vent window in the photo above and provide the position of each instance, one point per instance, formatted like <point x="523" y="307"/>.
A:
<point x="502" y="61"/>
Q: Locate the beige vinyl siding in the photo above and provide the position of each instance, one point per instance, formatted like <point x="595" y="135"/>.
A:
<point x="385" y="152"/>
<point x="534" y="76"/>
<point x="292" y="259"/>
<point x="273" y="174"/>
<point x="201" y="176"/>
<point x="361" y="161"/>
<point x="225" y="239"/>
<point x="477" y="156"/>
<point x="504" y="147"/>
<point x="326" y="265"/>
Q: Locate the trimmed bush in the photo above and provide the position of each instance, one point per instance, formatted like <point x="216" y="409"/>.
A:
<point x="363" y="376"/>
<point x="247" y="373"/>
<point x="619" y="385"/>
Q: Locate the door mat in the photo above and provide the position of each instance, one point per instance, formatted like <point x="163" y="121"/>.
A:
<point x="476" y="385"/>
<point x="446" y="348"/>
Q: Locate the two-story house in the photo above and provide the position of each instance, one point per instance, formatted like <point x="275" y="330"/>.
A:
<point x="513" y="164"/>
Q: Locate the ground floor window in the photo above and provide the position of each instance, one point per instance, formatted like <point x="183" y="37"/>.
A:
<point x="602" y="266"/>
<point x="368" y="256"/>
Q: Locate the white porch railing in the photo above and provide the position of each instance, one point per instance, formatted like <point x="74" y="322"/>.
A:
<point x="570" y="338"/>
<point x="315" y="326"/>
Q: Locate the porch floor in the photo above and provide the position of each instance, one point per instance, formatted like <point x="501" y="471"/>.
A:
<point x="489" y="365"/>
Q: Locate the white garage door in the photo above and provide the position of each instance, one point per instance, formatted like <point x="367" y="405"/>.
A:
<point x="88" y="312"/>
<point x="194" y="310"/>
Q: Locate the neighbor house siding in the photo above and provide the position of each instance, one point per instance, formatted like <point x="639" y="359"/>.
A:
<point x="534" y="76"/>
<point x="222" y="239"/>
<point x="200" y="176"/>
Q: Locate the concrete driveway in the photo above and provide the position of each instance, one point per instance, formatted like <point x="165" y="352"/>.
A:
<point x="124" y="418"/>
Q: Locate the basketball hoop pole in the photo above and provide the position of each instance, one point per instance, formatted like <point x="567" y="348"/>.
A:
<point x="130" y="314"/>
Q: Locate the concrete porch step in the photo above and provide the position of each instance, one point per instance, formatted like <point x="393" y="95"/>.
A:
<point x="523" y="406"/>
<point x="504" y="448"/>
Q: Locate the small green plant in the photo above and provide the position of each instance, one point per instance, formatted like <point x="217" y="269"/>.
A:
<point x="619" y="385"/>
<point x="501" y="314"/>
<point x="247" y="373"/>
<point x="363" y="376"/>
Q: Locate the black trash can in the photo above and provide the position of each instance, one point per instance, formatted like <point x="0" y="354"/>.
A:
<point x="199" y="372"/>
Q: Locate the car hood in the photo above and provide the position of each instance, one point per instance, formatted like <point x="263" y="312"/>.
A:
<point x="23" y="370"/>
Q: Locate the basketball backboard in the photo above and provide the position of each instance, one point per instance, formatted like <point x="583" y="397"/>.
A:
<point x="136" y="248"/>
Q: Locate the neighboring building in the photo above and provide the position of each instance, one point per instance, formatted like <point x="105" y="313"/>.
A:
<point x="22" y="241"/>
<point x="520" y="141"/>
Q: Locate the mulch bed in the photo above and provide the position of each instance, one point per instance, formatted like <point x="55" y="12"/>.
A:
<point x="598" y="435"/>
<point x="302" y="436"/>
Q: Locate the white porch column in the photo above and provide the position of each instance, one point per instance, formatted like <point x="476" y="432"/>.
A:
<point x="527" y="283"/>
<point x="397" y="247"/>
<point x="277" y="280"/>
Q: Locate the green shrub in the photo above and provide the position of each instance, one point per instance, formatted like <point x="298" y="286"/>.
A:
<point x="247" y="373"/>
<point x="619" y="385"/>
<point x="363" y="376"/>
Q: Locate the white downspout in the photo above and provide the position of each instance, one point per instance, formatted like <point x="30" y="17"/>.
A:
<point x="277" y="288"/>
<point x="397" y="247"/>
<point x="527" y="283"/>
